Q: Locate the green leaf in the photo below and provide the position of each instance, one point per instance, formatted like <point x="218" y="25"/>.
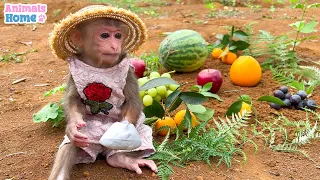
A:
<point x="225" y="39"/>
<point x="55" y="90"/>
<point x="196" y="108"/>
<point x="315" y="5"/>
<point x="246" y="99"/>
<point x="241" y="45"/>
<point x="150" y="121"/>
<point x="299" y="25"/>
<point x="232" y="48"/>
<point x="195" y="87"/>
<point x="154" y="110"/>
<point x="207" y="87"/>
<point x="50" y="112"/>
<point x="240" y="35"/>
<point x="160" y="81"/>
<point x="232" y="31"/>
<point x="173" y="101"/>
<point x="234" y="108"/>
<point x="219" y="36"/>
<point x="226" y="50"/>
<point x="309" y="27"/>
<point x="192" y="97"/>
<point x="272" y="99"/>
<point x="208" y="114"/>
<point x="297" y="85"/>
<point x="209" y="94"/>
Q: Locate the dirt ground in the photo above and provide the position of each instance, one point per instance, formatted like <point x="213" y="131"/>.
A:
<point x="36" y="144"/>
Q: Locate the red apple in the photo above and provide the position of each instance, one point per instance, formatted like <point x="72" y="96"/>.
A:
<point x="210" y="75"/>
<point x="139" y="67"/>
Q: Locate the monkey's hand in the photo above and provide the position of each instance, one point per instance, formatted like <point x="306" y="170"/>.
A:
<point x="132" y="163"/>
<point x="76" y="137"/>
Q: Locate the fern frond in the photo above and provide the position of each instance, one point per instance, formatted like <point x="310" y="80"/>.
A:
<point x="310" y="72"/>
<point x="164" y="170"/>
<point x="289" y="148"/>
<point x="306" y="135"/>
<point x="283" y="77"/>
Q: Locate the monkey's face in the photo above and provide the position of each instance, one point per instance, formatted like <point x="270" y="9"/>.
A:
<point x="103" y="44"/>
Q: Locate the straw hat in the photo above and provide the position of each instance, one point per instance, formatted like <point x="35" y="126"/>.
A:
<point x="62" y="46"/>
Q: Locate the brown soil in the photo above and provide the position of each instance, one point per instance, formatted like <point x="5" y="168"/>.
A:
<point x="39" y="142"/>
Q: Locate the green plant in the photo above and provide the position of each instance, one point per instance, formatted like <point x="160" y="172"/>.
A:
<point x="205" y="91"/>
<point x="152" y="61"/>
<point x="15" y="56"/>
<point x="203" y="145"/>
<point x="56" y="12"/>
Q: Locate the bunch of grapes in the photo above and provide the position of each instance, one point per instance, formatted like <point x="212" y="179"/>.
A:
<point x="298" y="100"/>
<point x="157" y="93"/>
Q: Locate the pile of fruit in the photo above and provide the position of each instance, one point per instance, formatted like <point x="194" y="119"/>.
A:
<point x="157" y="93"/>
<point x="298" y="100"/>
<point x="228" y="58"/>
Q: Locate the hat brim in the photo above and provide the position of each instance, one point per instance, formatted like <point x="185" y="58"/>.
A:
<point x="62" y="46"/>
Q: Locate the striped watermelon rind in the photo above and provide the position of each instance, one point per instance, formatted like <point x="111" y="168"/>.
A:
<point x="183" y="51"/>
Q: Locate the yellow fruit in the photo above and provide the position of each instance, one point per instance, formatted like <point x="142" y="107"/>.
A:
<point x="245" y="71"/>
<point x="167" y="121"/>
<point x="246" y="107"/>
<point x="216" y="53"/>
<point x="229" y="58"/>
<point x="180" y="115"/>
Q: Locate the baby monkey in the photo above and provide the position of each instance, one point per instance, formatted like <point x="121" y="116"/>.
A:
<point x="101" y="90"/>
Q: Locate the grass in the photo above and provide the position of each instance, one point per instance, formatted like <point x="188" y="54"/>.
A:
<point x="14" y="57"/>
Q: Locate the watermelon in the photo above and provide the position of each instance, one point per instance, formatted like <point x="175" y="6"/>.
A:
<point x="183" y="51"/>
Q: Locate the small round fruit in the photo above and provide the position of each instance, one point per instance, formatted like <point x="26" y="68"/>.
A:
<point x="173" y="87"/>
<point x="161" y="90"/>
<point x="287" y="96"/>
<point x="142" y="81"/>
<point x="178" y="118"/>
<point x="157" y="98"/>
<point x="167" y="121"/>
<point x="302" y="104"/>
<point x="216" y="53"/>
<point x="295" y="99"/>
<point x="167" y="75"/>
<point x="154" y="74"/>
<point x="287" y="102"/>
<point x="152" y="92"/>
<point x="142" y="93"/>
<point x="311" y="104"/>
<point x="246" y="107"/>
<point x="168" y="93"/>
<point x="245" y="71"/>
<point x="229" y="58"/>
<point x="279" y="94"/>
<point x="147" y="100"/>
<point x="275" y="106"/>
<point x="302" y="94"/>
<point x="284" y="89"/>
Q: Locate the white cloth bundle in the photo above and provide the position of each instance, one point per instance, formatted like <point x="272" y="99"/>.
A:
<point x="121" y="136"/>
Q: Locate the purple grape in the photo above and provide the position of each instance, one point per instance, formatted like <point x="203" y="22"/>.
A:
<point x="287" y="96"/>
<point x="284" y="89"/>
<point x="302" y="94"/>
<point x="311" y="104"/>
<point x="279" y="94"/>
<point x="275" y="106"/>
<point x="295" y="99"/>
<point x="287" y="102"/>
<point x="301" y="105"/>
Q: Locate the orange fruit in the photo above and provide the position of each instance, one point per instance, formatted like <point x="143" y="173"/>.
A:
<point x="229" y="58"/>
<point x="178" y="118"/>
<point x="245" y="71"/>
<point x="246" y="107"/>
<point x="216" y="53"/>
<point x="167" y="121"/>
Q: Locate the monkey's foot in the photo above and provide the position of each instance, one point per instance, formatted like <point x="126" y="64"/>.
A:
<point x="131" y="163"/>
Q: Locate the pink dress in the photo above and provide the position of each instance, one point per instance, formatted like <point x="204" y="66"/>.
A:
<point x="102" y="92"/>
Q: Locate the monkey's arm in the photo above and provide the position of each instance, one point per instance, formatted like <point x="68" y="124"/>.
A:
<point x="132" y="106"/>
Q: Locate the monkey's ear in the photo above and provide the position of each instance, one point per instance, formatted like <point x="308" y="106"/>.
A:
<point x="76" y="38"/>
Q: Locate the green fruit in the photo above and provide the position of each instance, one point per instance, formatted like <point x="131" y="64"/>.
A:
<point x="161" y="90"/>
<point x="152" y="92"/>
<point x="168" y="93"/>
<point x="142" y="93"/>
<point x="147" y="100"/>
<point x="157" y="98"/>
<point x="142" y="81"/>
<point x="173" y="87"/>
<point x="167" y="75"/>
<point x="183" y="51"/>
<point x="154" y="74"/>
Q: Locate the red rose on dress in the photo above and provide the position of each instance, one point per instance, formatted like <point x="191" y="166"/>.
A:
<point x="97" y="92"/>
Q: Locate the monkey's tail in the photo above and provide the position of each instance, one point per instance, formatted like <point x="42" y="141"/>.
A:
<point x="63" y="162"/>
